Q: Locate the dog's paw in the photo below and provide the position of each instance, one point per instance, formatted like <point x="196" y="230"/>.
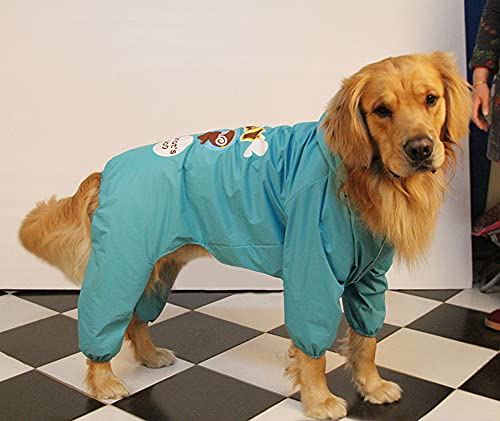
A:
<point x="333" y="408"/>
<point x="383" y="392"/>
<point x="159" y="358"/>
<point x="109" y="388"/>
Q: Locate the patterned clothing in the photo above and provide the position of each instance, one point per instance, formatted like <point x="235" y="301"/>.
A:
<point x="260" y="198"/>
<point x="487" y="54"/>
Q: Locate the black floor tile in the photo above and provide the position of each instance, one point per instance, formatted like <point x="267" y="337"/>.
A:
<point x="419" y="396"/>
<point x="194" y="299"/>
<point x="33" y="396"/>
<point x="280" y="331"/>
<point x="200" y="394"/>
<point x="433" y="294"/>
<point x="195" y="336"/>
<point x="43" y="341"/>
<point x="459" y="323"/>
<point x="486" y="381"/>
<point x="341" y="332"/>
<point x="60" y="301"/>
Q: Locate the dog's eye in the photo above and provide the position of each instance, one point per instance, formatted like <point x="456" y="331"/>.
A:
<point x="382" y="111"/>
<point x="431" y="100"/>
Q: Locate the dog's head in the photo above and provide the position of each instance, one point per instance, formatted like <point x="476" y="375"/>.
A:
<point x="401" y="114"/>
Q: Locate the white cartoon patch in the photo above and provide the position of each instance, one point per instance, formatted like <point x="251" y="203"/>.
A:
<point x="172" y="147"/>
<point x="258" y="147"/>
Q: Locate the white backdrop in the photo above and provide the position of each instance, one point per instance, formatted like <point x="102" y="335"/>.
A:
<point x="83" y="81"/>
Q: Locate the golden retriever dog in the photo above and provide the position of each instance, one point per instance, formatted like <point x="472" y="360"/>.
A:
<point x="394" y="126"/>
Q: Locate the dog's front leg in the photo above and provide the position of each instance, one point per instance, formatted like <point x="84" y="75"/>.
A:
<point x="360" y="353"/>
<point x="102" y="383"/>
<point x="309" y="374"/>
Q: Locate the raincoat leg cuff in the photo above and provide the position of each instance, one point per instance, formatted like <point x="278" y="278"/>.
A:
<point x="364" y="332"/>
<point x="309" y="352"/>
<point x="98" y="359"/>
<point x="145" y="318"/>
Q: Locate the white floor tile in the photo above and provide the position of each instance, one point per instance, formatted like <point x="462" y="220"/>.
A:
<point x="431" y="357"/>
<point x="72" y="313"/>
<point x="465" y="406"/>
<point x="15" y="312"/>
<point x="168" y="312"/>
<point x="108" y="413"/>
<point x="72" y="369"/>
<point x="287" y="410"/>
<point x="198" y="272"/>
<point x="402" y="309"/>
<point x="262" y="361"/>
<point x="259" y="311"/>
<point x="476" y="300"/>
<point x="10" y="367"/>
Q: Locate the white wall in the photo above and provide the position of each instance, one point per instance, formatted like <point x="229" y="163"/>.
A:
<point x="82" y="81"/>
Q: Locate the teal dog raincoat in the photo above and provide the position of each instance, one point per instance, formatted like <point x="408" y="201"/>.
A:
<point x="260" y="198"/>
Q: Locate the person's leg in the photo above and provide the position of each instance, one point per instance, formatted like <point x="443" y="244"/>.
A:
<point x="492" y="320"/>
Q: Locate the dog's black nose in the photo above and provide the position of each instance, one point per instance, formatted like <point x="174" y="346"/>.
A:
<point x="418" y="149"/>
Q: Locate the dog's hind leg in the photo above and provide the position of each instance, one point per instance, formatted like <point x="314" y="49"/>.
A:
<point x="152" y="302"/>
<point x="101" y="381"/>
<point x="360" y="353"/>
<point x="150" y="306"/>
<point x="144" y="349"/>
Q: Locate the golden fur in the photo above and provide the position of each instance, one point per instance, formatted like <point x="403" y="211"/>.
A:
<point x="309" y="374"/>
<point x="359" y="352"/>
<point x="58" y="231"/>
<point x="393" y="198"/>
<point x="404" y="209"/>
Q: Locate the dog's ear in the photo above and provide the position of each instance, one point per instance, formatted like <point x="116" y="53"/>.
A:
<point x="457" y="96"/>
<point x="344" y="127"/>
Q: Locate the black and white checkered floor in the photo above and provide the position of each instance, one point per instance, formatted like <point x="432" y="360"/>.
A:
<point x="231" y="351"/>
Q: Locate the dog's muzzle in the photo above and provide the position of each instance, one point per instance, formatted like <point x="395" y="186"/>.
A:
<point x="419" y="150"/>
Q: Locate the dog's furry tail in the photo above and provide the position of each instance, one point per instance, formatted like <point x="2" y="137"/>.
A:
<point x="58" y="231"/>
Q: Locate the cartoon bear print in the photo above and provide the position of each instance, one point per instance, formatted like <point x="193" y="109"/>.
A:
<point x="217" y="138"/>
<point x="259" y="144"/>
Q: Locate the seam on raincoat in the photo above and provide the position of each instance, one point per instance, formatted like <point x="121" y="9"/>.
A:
<point x="317" y="180"/>
<point x="208" y="247"/>
<point x="370" y="266"/>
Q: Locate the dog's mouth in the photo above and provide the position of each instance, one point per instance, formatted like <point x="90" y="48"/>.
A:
<point x="424" y="166"/>
<point x="412" y="168"/>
